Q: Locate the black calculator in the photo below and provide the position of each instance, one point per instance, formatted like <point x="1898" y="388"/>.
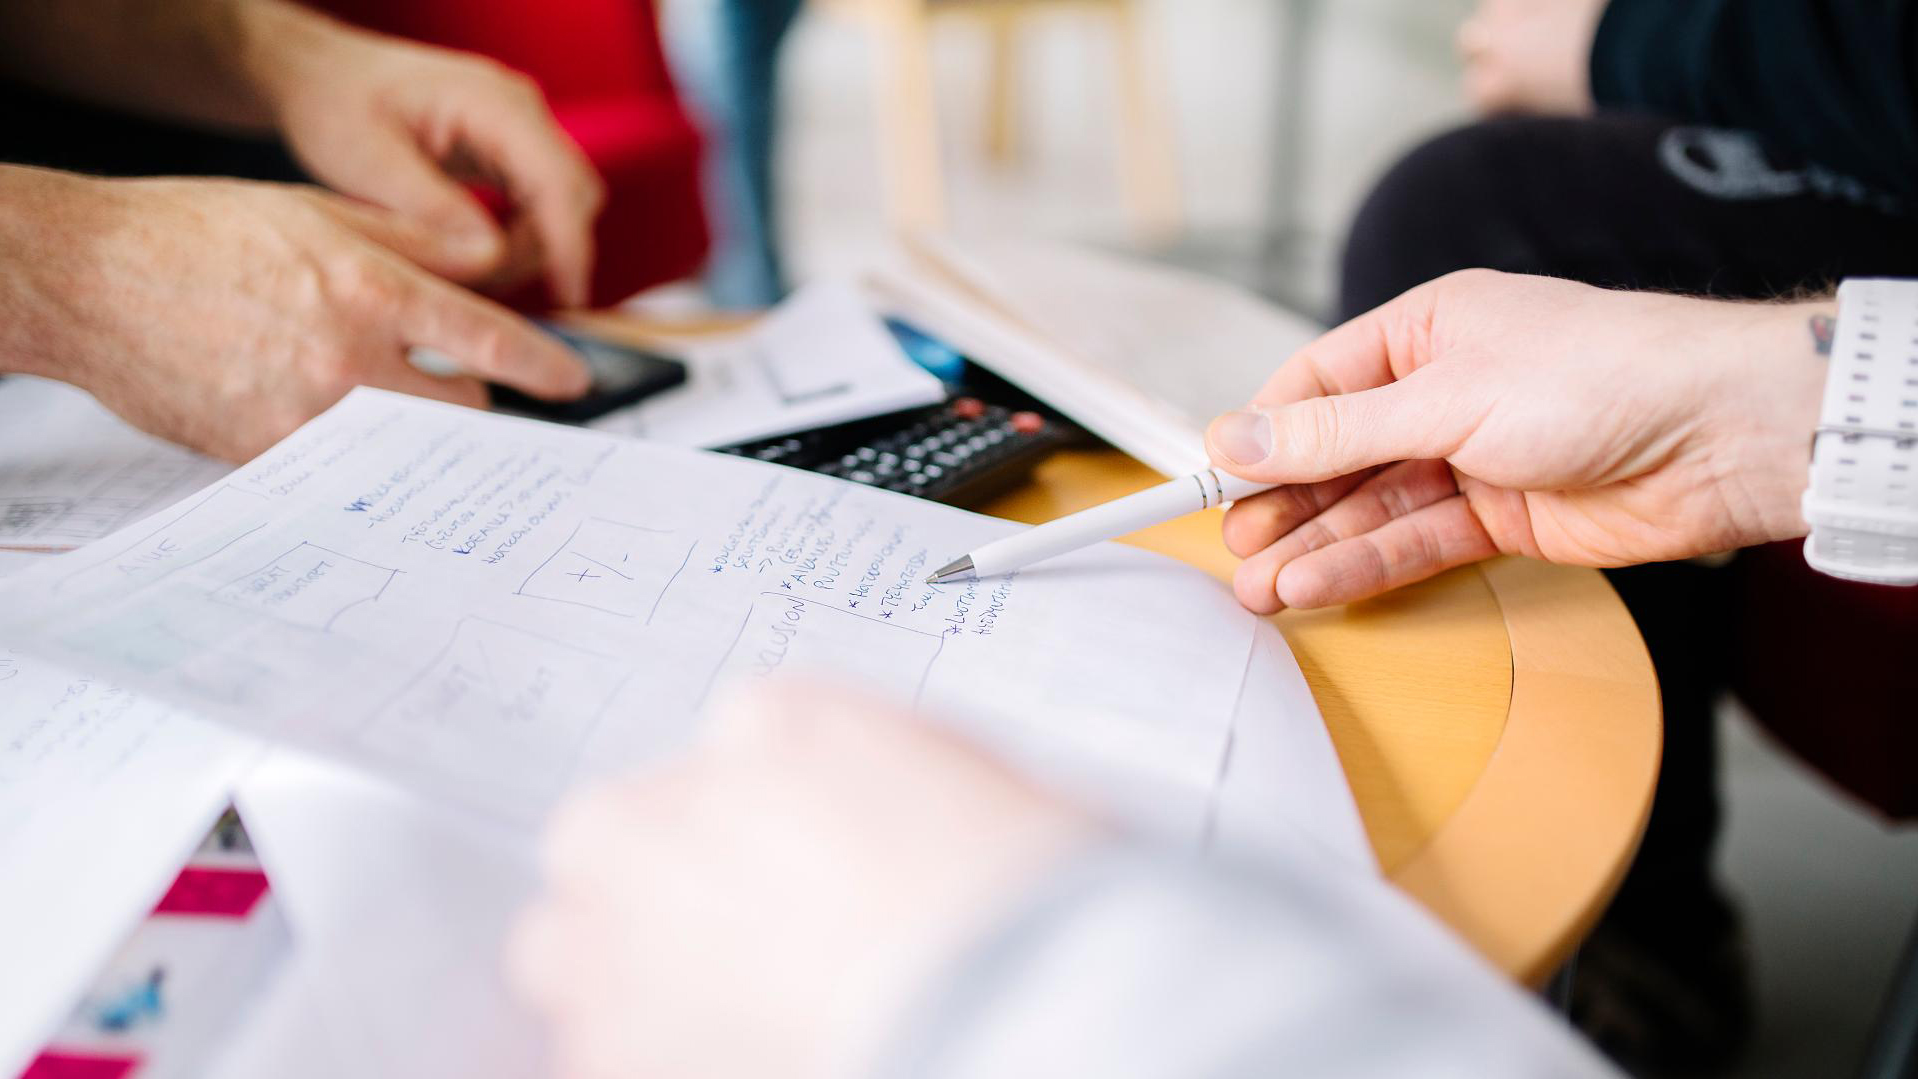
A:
<point x="979" y="443"/>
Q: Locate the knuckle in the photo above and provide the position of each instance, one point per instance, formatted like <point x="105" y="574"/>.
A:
<point x="486" y="350"/>
<point x="589" y="191"/>
<point x="1313" y="535"/>
<point x="358" y="283"/>
<point x="1326" y="430"/>
<point x="1471" y="279"/>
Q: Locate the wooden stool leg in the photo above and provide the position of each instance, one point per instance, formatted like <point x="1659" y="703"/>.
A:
<point x="1002" y="88"/>
<point x="1149" y="168"/>
<point x="908" y="116"/>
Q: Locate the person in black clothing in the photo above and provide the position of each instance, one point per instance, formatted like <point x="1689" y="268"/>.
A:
<point x="1743" y="150"/>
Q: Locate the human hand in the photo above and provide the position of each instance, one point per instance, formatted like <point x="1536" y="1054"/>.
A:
<point x="222" y="315"/>
<point x="768" y="905"/>
<point x="1530" y="55"/>
<point x="401" y="125"/>
<point x="1485" y="413"/>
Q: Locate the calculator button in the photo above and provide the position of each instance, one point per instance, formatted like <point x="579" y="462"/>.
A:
<point x="850" y="460"/>
<point x="867" y="454"/>
<point x="1028" y="423"/>
<point x="931" y="472"/>
<point x="910" y="464"/>
<point x="947" y="460"/>
<point x="861" y="476"/>
<point x="968" y="408"/>
<point x="919" y="479"/>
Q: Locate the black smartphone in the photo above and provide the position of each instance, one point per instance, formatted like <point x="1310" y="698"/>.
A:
<point x="621" y="374"/>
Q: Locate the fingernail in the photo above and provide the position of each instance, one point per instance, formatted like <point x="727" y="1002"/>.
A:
<point x="1244" y="437"/>
<point x="473" y="246"/>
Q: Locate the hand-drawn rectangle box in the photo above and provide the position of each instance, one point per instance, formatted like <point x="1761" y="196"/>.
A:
<point x="499" y="704"/>
<point x="790" y="634"/>
<point x="621" y="569"/>
<point x="308" y="586"/>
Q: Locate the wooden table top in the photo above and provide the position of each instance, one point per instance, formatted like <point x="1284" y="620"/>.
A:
<point x="1499" y="724"/>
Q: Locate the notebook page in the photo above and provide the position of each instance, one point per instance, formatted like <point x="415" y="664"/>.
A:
<point x="491" y="608"/>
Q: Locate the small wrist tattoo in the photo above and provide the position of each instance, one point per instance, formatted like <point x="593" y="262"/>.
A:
<point x="1822" y="328"/>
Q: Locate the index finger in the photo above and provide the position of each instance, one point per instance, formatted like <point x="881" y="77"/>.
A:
<point x="484" y="339"/>
<point x="550" y="179"/>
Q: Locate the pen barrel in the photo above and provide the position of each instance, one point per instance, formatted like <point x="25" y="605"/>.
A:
<point x="1154" y="505"/>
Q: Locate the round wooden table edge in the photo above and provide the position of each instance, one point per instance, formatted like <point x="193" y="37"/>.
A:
<point x="1568" y="789"/>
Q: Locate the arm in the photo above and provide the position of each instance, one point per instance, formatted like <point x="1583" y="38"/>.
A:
<point x="1829" y="81"/>
<point x="184" y="59"/>
<point x="395" y="123"/>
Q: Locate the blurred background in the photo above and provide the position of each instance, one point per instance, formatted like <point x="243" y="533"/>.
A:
<point x="1264" y="183"/>
<point x="1280" y="114"/>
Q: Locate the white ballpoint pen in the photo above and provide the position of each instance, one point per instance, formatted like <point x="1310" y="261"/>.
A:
<point x="1173" y="498"/>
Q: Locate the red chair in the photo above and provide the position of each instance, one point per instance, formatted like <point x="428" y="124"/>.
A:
<point x="1828" y="667"/>
<point x="604" y="74"/>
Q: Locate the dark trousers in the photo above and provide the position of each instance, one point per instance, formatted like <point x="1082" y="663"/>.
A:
<point x="1636" y="202"/>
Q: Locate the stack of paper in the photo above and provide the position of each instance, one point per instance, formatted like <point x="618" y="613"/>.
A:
<point x="485" y="610"/>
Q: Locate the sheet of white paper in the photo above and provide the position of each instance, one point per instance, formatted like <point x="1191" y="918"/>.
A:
<point x="72" y="472"/>
<point x="284" y="1035"/>
<point x="401" y="910"/>
<point x="493" y="607"/>
<point x="820" y="358"/>
<point x="103" y="794"/>
<point x="13" y="561"/>
<point x="1282" y="781"/>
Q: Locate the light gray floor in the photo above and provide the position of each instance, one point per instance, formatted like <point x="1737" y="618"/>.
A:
<point x="1830" y="894"/>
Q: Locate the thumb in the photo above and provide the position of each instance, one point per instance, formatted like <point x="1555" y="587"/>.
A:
<point x="1321" y="438"/>
<point x="435" y="222"/>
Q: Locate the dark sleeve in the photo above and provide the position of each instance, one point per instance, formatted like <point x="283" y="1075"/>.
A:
<point x="1830" y="81"/>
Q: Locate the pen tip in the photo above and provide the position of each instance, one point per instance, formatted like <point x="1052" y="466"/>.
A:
<point x="960" y="568"/>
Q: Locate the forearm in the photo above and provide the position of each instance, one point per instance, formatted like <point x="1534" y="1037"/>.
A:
<point x="1829" y="82"/>
<point x="213" y="62"/>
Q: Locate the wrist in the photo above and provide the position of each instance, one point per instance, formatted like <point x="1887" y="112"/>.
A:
<point x="284" y="48"/>
<point x="53" y="226"/>
<point x="1773" y="381"/>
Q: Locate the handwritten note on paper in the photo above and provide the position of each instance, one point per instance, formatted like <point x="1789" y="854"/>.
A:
<point x="72" y="472"/>
<point x="823" y="357"/>
<point x="494" y="606"/>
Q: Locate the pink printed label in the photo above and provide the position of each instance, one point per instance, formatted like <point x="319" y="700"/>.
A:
<point x="54" y="1064"/>
<point x="216" y="893"/>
